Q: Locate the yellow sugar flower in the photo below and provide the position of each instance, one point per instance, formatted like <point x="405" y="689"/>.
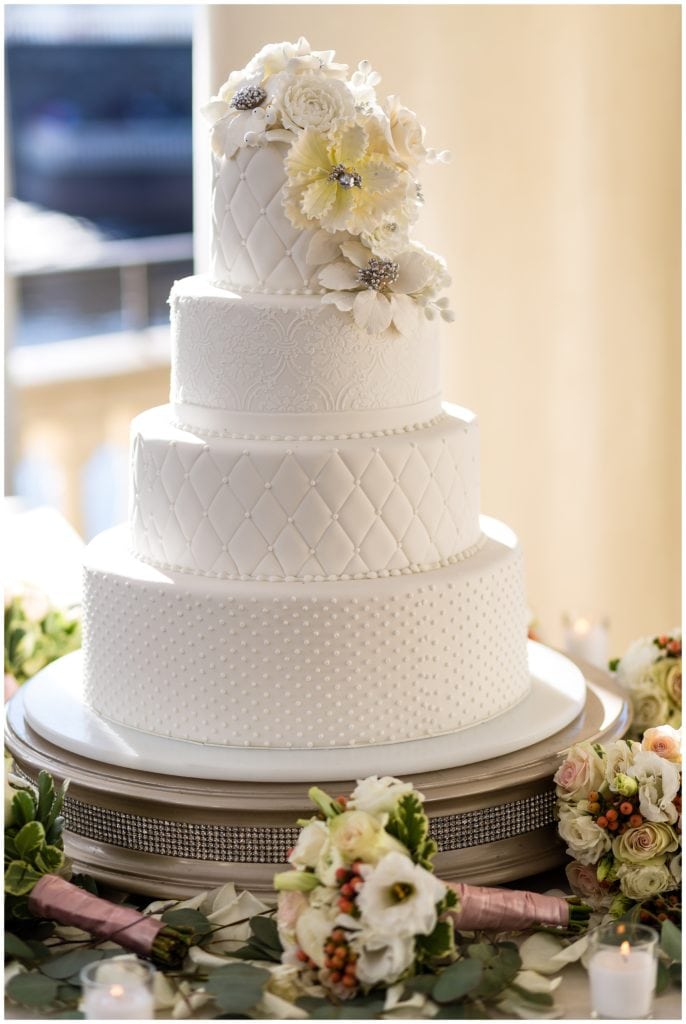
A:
<point x="341" y="181"/>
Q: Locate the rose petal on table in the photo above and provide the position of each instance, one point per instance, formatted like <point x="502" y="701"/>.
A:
<point x="533" y="981"/>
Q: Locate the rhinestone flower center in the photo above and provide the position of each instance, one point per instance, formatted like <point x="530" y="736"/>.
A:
<point x="378" y="274"/>
<point x="249" y="97"/>
<point x="347" y="177"/>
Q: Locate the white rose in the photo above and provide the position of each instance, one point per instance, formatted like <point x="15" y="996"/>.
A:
<point x="399" y="897"/>
<point x="663" y="741"/>
<point x="382" y="959"/>
<point x="379" y="797"/>
<point x="658" y="785"/>
<point x="289" y="908"/>
<point x="636" y="662"/>
<point x="619" y="756"/>
<point x="582" y="772"/>
<point x="586" y="841"/>
<point x="309" y="100"/>
<point x="675" y="868"/>
<point x="649" y="704"/>
<point x="358" y="835"/>
<point x="312" y="930"/>
<point x="309" y="846"/>
<point x="641" y="881"/>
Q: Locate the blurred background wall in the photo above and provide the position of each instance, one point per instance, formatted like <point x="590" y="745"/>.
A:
<point x="559" y="218"/>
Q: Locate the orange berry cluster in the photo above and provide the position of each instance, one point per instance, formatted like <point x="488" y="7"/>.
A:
<point x="671" y="645"/>
<point x="350" y="882"/>
<point x="340" y="960"/>
<point x="616" y="814"/>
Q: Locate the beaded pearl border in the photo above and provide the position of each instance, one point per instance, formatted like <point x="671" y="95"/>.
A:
<point x="355" y="436"/>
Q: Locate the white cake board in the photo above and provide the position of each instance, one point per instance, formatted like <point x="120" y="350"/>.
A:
<point x="52" y="703"/>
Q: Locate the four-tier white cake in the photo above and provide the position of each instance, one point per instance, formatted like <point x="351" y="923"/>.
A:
<point x="305" y="565"/>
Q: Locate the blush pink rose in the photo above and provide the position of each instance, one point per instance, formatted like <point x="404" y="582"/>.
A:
<point x="663" y="741"/>
<point x="584" y="883"/>
<point x="581" y="772"/>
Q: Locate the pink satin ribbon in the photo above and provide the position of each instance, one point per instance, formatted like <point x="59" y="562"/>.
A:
<point x="505" y="909"/>
<point x="57" y="900"/>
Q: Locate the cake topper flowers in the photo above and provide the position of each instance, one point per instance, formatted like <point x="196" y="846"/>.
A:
<point x="351" y="167"/>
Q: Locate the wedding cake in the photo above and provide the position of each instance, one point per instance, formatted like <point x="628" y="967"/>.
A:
<point x="305" y="565"/>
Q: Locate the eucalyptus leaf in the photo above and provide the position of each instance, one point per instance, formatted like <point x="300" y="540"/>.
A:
<point x="70" y="964"/>
<point x="32" y="989"/>
<point x="16" y="947"/>
<point x="265" y="930"/>
<point x="536" y="998"/>
<point x="662" y="982"/>
<point x="457" y="980"/>
<point x="188" y="918"/>
<point x="421" y="983"/>
<point x="69" y="993"/>
<point x="237" y="988"/>
<point x="670" y="941"/>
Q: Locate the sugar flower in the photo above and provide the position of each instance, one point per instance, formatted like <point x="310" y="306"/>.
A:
<point x="399" y="897"/>
<point x="310" y="101"/>
<point x="339" y="182"/>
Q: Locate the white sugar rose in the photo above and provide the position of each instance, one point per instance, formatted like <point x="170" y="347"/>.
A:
<point x="582" y="771"/>
<point x="382" y="959"/>
<point x="405" y="133"/>
<point x="379" y="797"/>
<point x="309" y="846"/>
<point x="640" y="882"/>
<point x="658" y="786"/>
<point x="399" y="897"/>
<point x="644" y="843"/>
<point x="357" y="835"/>
<point x="309" y="100"/>
<point x="663" y="741"/>
<point x="585" y="840"/>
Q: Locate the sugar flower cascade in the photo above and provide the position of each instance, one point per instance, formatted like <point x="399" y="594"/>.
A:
<point x="352" y="168"/>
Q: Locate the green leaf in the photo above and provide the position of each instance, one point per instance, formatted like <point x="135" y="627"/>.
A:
<point x="20" y="878"/>
<point x="457" y="980"/>
<point x="23" y="807"/>
<point x="410" y="825"/>
<point x="49" y="860"/>
<point x="28" y="839"/>
<point x="32" y="989"/>
<point x="329" y="807"/>
<point x="69" y="965"/>
<point x="69" y="993"/>
<point x="460" y="1011"/>
<point x="421" y="983"/>
<point x="186" y="918"/>
<point x="613" y="664"/>
<point x="46" y="795"/>
<point x="662" y="981"/>
<point x="17" y="948"/>
<point x="437" y="946"/>
<point x="670" y="941"/>
<point x="483" y="951"/>
<point x="237" y="988"/>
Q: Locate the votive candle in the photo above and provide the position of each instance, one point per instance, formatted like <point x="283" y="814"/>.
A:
<point x="622" y="970"/>
<point x="118" y="989"/>
<point x="587" y="640"/>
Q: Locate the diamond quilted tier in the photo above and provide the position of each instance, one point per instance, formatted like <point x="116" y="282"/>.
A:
<point x="293" y="356"/>
<point x="304" y="666"/>
<point x="269" y="509"/>
<point x="254" y="245"/>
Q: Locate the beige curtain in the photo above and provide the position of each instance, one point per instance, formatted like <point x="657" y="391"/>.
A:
<point x="559" y="217"/>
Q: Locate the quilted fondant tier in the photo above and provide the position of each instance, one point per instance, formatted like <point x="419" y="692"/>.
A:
<point x="291" y="365"/>
<point x="335" y="510"/>
<point x="254" y="245"/>
<point x="304" y="666"/>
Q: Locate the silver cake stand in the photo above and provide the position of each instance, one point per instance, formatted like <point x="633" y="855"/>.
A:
<point x="170" y="818"/>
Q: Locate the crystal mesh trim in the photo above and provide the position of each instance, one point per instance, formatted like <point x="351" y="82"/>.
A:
<point x="247" y="844"/>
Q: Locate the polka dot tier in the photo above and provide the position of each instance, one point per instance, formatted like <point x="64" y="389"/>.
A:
<point x="288" y="665"/>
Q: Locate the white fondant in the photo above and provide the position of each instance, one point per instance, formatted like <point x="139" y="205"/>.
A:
<point x="304" y="665"/>
<point x="285" y="356"/>
<point x="349" y="509"/>
<point x="54" y="707"/>
<point x="254" y="245"/>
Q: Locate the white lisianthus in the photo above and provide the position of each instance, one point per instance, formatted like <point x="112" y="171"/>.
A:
<point x="309" y="846"/>
<point x="330" y="860"/>
<point x="379" y="797"/>
<point x="658" y="786"/>
<point x="664" y="741"/>
<point x="641" y="881"/>
<point x="382" y="958"/>
<point x="312" y="930"/>
<point x="586" y="841"/>
<point x="635" y="664"/>
<point x="399" y="897"/>
<point x="312" y="101"/>
<point x="582" y="771"/>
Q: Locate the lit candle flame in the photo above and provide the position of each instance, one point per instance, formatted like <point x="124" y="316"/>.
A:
<point x="117" y="991"/>
<point x="625" y="949"/>
<point x="582" y="626"/>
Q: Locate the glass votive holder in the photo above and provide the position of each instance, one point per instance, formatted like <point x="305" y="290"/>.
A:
<point x="118" y="989"/>
<point x="622" y="970"/>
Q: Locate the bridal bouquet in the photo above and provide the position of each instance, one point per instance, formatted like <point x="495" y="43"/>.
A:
<point x="650" y="672"/>
<point x="619" y="811"/>
<point x="362" y="908"/>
